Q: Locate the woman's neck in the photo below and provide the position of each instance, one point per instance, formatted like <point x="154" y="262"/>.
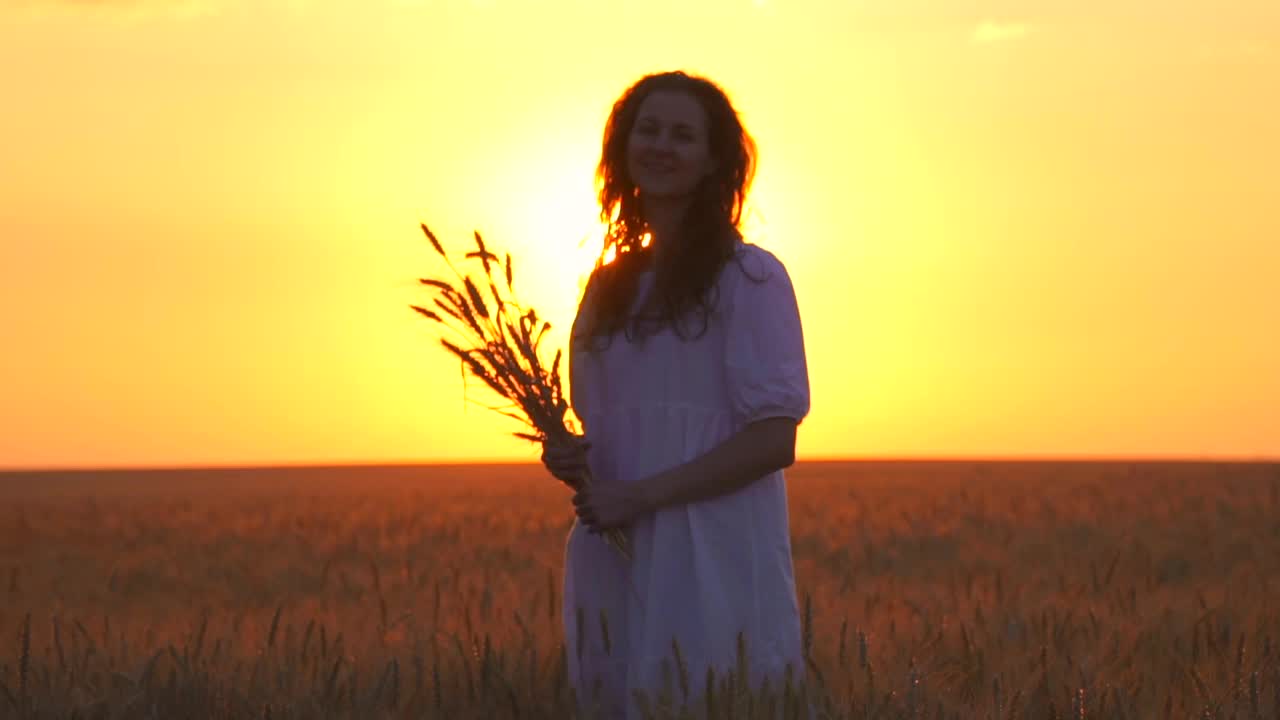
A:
<point x="664" y="217"/>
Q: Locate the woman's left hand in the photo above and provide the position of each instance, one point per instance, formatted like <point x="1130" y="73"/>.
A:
<point x="604" y="506"/>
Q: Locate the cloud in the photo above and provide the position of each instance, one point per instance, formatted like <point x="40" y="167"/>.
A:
<point x="993" y="31"/>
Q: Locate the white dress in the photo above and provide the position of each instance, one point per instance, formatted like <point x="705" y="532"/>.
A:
<point x="702" y="572"/>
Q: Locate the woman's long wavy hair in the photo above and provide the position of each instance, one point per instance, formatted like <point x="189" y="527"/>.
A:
<point x="685" y="279"/>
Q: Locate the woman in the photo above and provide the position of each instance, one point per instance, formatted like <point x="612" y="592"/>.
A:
<point x="687" y="370"/>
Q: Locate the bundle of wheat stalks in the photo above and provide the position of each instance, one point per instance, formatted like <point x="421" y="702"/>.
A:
<point x="498" y="342"/>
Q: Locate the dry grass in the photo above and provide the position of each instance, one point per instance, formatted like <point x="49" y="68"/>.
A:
<point x="932" y="590"/>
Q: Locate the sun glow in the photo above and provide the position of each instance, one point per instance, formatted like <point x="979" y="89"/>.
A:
<point x="611" y="252"/>
<point x="986" y="263"/>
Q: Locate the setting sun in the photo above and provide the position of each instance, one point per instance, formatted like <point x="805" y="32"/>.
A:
<point x="1036" y="231"/>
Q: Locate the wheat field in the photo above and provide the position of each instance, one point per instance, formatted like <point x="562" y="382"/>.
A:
<point x="929" y="590"/>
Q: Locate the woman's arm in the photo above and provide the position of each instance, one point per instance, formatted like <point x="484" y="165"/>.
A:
<point x="755" y="451"/>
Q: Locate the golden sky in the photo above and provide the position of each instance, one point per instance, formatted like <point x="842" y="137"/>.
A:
<point x="1016" y="229"/>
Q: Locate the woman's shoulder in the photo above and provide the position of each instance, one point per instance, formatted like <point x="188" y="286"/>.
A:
<point x="755" y="262"/>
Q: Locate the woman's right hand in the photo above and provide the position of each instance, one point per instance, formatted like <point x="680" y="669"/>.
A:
<point x="566" y="460"/>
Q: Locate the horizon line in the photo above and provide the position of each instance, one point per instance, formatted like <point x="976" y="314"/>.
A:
<point x="904" y="459"/>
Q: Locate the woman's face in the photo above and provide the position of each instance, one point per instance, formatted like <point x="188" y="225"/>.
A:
<point x="667" y="149"/>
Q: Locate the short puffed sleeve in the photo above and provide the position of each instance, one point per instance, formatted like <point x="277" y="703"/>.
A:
<point x="764" y="354"/>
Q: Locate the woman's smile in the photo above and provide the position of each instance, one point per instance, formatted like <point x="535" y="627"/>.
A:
<point x="657" y="166"/>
